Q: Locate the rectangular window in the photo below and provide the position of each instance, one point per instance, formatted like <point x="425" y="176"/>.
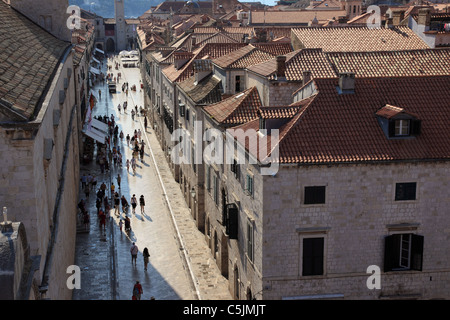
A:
<point x="208" y="178"/>
<point x="403" y="251"/>
<point x="235" y="168"/>
<point x="405" y="191"/>
<point x="250" y="240"/>
<point x="216" y="188"/>
<point x="238" y="84"/>
<point x="313" y="256"/>
<point x="249" y="184"/>
<point x="402" y="127"/>
<point x="314" y="195"/>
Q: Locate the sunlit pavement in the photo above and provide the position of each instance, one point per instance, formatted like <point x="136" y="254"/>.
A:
<point x="181" y="265"/>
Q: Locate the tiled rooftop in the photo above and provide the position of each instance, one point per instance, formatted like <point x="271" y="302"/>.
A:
<point x="298" y="61"/>
<point x="239" y="108"/>
<point x="353" y="39"/>
<point x="207" y="91"/>
<point x="293" y="17"/>
<point x="393" y="63"/>
<point x="242" y="58"/>
<point x="209" y="51"/>
<point x="336" y="128"/>
<point x="28" y="58"/>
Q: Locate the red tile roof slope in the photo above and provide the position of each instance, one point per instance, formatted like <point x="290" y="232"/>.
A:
<point x="209" y="50"/>
<point x="392" y="63"/>
<point x="345" y="39"/>
<point x="336" y="128"/>
<point x="28" y="58"/>
<point x="237" y="109"/>
<point x="298" y="61"/>
<point x="242" y="58"/>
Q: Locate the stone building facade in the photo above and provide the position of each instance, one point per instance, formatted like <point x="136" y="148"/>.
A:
<point x="39" y="143"/>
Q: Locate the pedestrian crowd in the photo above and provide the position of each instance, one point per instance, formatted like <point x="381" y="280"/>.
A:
<point x="109" y="158"/>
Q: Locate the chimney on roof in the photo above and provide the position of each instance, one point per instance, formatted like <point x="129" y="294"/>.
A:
<point x="397" y="17"/>
<point x="389" y="21"/>
<point x="281" y="67"/>
<point x="193" y="40"/>
<point x="202" y="68"/>
<point x="346" y="82"/>
<point x="424" y="18"/>
<point x="180" y="58"/>
<point x="306" y="76"/>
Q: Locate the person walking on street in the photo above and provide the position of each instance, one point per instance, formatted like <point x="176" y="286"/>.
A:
<point x="120" y="225"/>
<point x="146" y="256"/>
<point x="124" y="204"/>
<point x="134" y="251"/>
<point x="133" y="203"/>
<point x="137" y="291"/>
<point x="128" y="165"/>
<point x="116" y="203"/>
<point x="118" y="180"/>
<point x="128" y="140"/>
<point x="142" y="203"/>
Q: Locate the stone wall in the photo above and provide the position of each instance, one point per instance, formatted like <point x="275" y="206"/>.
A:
<point x="360" y="211"/>
<point x="32" y="182"/>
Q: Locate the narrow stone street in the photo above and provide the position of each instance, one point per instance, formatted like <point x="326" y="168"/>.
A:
<point x="181" y="266"/>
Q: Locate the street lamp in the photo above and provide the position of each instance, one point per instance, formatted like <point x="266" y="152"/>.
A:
<point x="193" y="193"/>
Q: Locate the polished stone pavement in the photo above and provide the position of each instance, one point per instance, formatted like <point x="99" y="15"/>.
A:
<point x="181" y="265"/>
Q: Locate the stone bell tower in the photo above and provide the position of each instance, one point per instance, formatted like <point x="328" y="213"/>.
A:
<point x="119" y="14"/>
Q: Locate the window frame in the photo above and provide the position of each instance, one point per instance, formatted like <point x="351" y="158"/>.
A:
<point x="405" y="193"/>
<point x="394" y="250"/>
<point x="309" y="237"/>
<point x="314" y="200"/>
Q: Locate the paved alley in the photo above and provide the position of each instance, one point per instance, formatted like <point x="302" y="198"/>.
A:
<point x="181" y="266"/>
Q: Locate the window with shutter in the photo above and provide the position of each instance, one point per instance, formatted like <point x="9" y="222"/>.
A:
<point x="250" y="240"/>
<point x="403" y="251"/>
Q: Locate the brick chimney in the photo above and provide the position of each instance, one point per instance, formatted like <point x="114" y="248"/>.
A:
<point x="281" y="66"/>
<point x="346" y="82"/>
<point x="397" y="17"/>
<point x="306" y="77"/>
<point x="180" y="58"/>
<point x="424" y="18"/>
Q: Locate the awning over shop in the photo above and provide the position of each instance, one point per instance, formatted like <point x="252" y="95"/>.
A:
<point x="103" y="127"/>
<point x="94" y="134"/>
<point x="94" y="70"/>
<point x="99" y="50"/>
<point x="95" y="60"/>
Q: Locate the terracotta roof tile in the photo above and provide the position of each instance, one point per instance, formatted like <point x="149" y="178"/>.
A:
<point x="298" y="61"/>
<point x="242" y="58"/>
<point x="394" y="63"/>
<point x="207" y="91"/>
<point x="293" y="17"/>
<point x="333" y="128"/>
<point x="210" y="50"/>
<point x="237" y="109"/>
<point x="354" y="39"/>
<point x="349" y="130"/>
<point x="28" y="58"/>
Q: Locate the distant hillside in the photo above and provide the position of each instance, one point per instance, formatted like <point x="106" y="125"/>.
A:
<point x="105" y="8"/>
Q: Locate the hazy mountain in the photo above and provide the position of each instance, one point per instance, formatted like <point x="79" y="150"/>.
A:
<point x="105" y="8"/>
